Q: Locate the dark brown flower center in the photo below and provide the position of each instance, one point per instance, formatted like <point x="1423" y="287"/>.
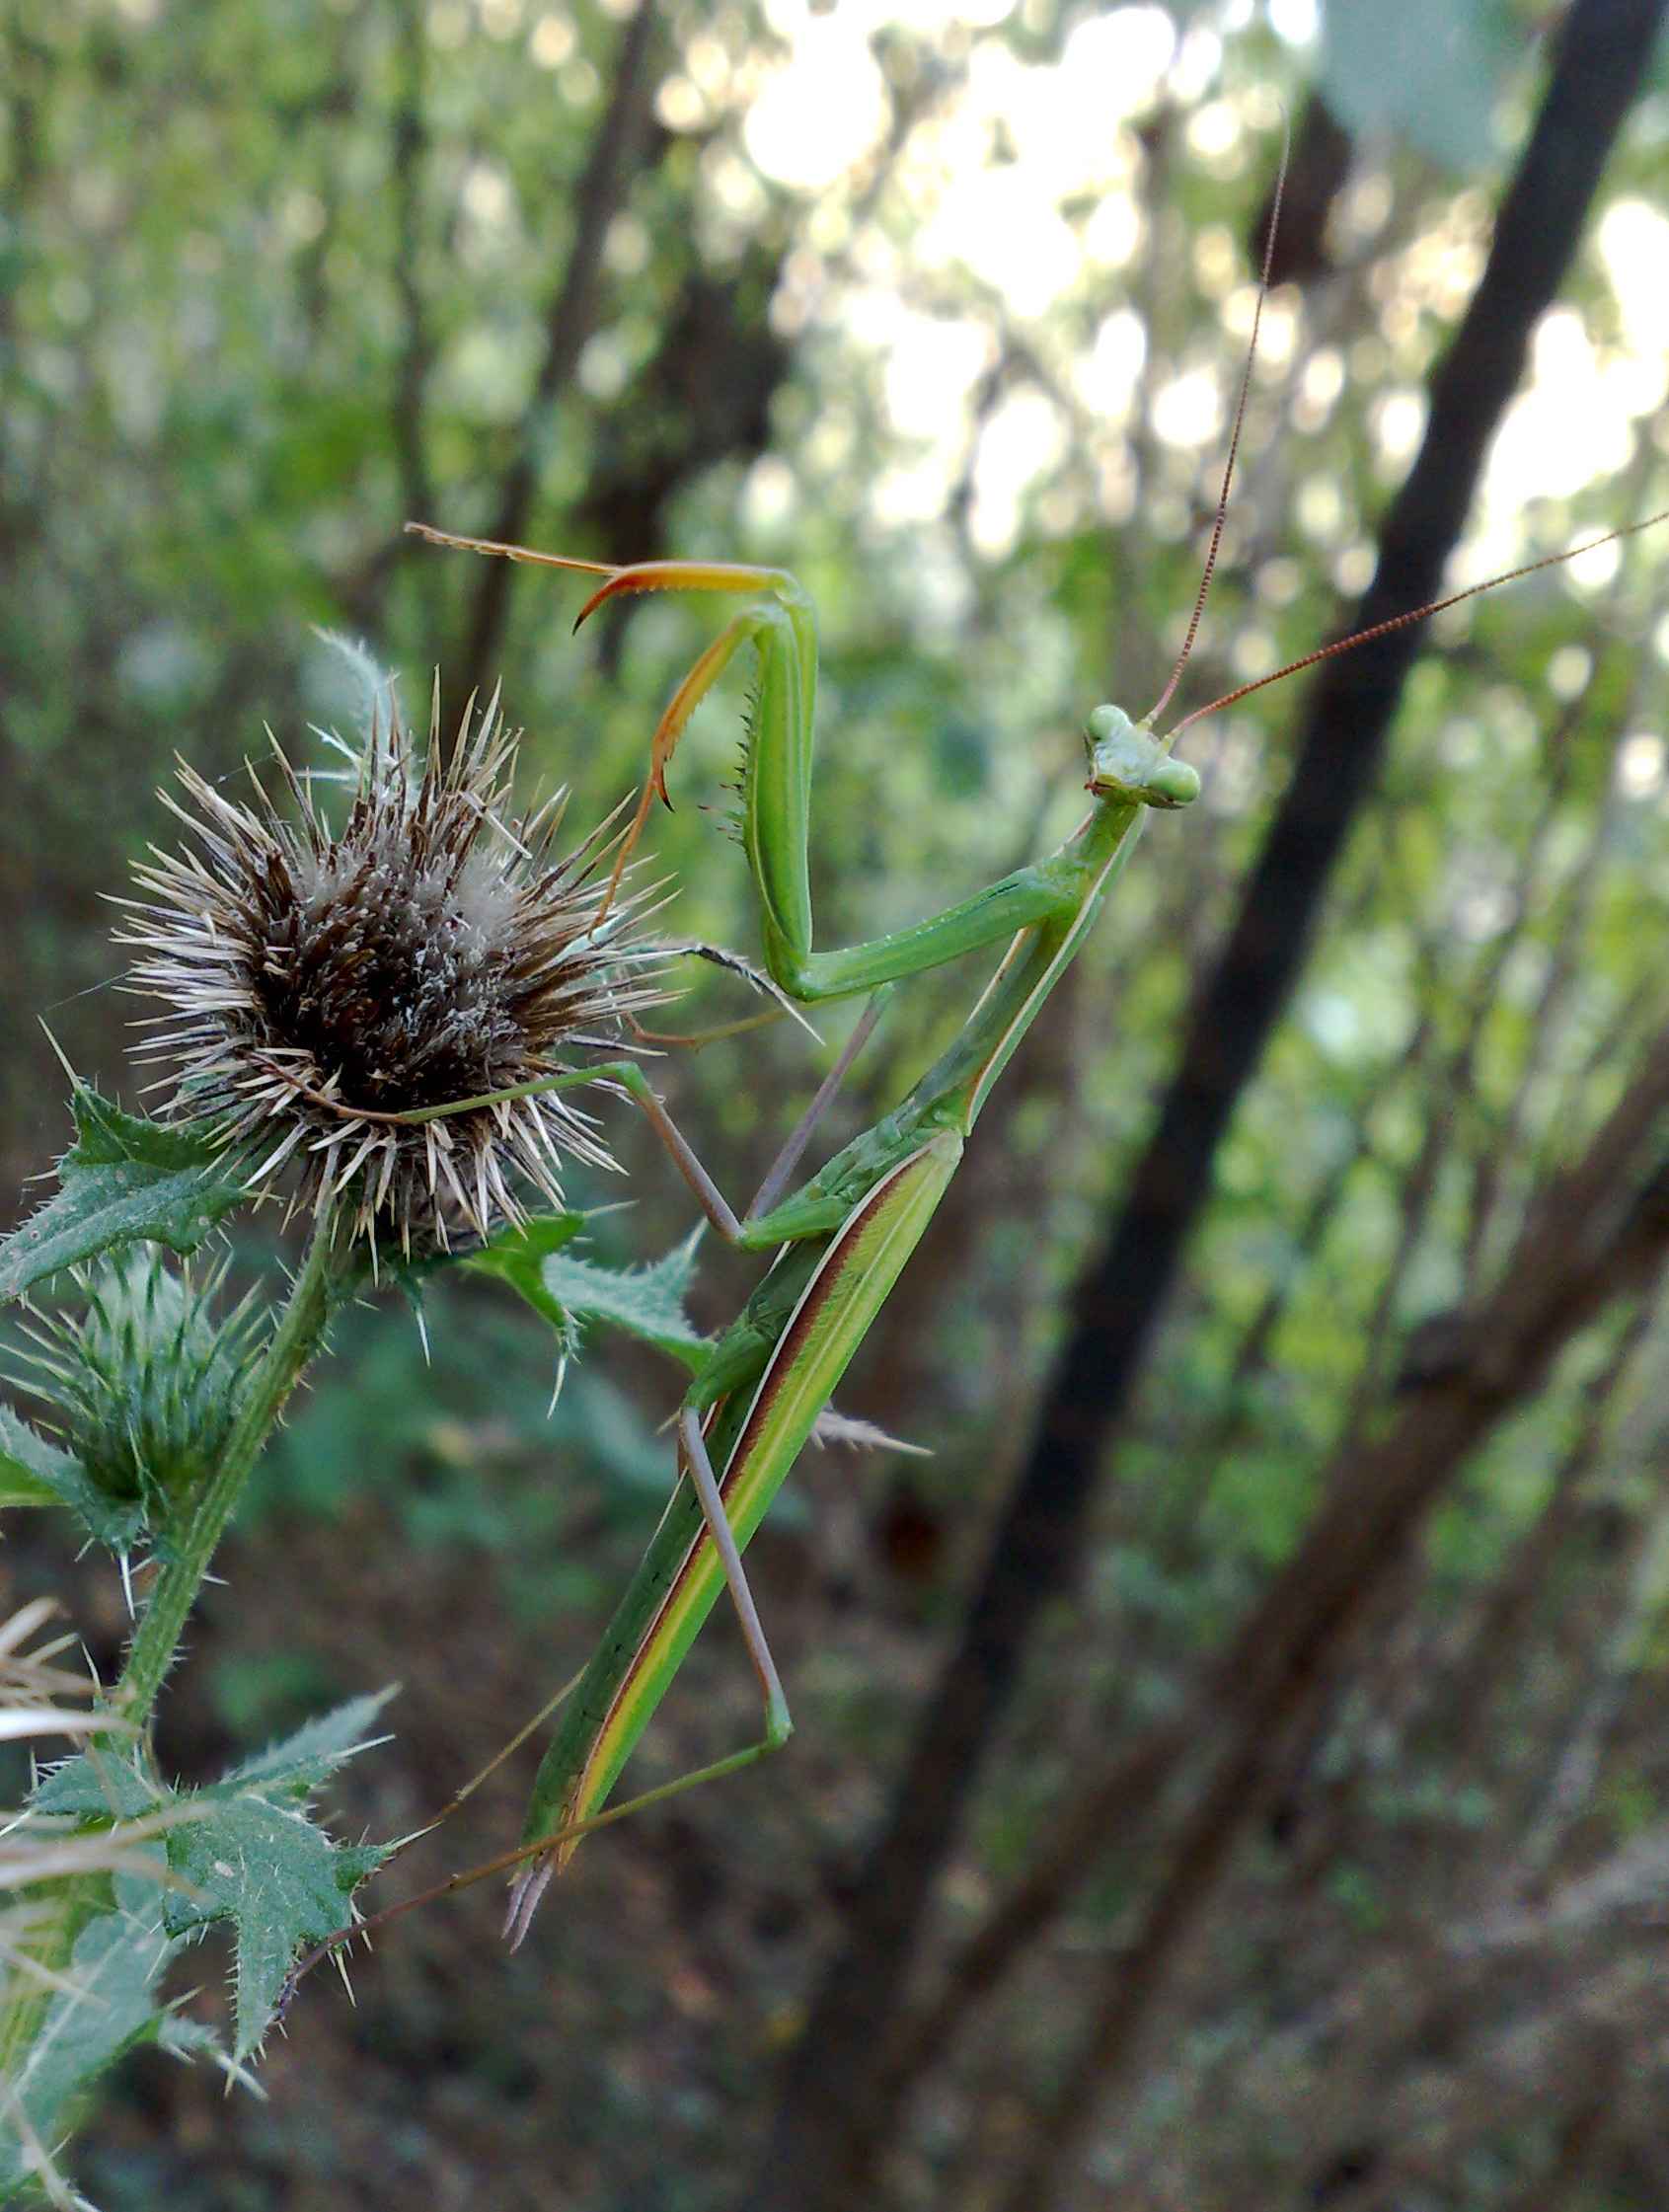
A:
<point x="397" y="979"/>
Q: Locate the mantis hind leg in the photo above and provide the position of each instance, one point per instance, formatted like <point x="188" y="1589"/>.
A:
<point x="693" y="1460"/>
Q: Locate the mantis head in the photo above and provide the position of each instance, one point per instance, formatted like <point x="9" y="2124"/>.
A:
<point x="1128" y="762"/>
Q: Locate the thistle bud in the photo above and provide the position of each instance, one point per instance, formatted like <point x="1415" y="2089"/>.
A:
<point x="146" y="1383"/>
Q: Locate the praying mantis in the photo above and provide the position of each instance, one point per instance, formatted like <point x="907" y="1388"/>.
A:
<point x="843" y="1238"/>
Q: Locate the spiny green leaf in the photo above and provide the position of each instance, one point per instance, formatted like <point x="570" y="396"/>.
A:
<point x="646" y="1302"/>
<point x="280" y="1881"/>
<point x="243" y="1849"/>
<point x="101" y="1786"/>
<point x="184" y="2037"/>
<point x="304" y="1760"/>
<point x="517" y="1255"/>
<point x="124" y="1178"/>
<point x="34" y="1472"/>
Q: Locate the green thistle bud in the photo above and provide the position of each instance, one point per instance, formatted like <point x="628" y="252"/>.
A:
<point x="146" y="1383"/>
<point x="319" y="983"/>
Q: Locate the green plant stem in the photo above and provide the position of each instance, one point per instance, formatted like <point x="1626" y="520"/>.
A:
<point x="295" y="1340"/>
<point x="300" y="1331"/>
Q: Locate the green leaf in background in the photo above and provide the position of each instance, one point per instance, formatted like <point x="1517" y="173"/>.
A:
<point x="124" y="1178"/>
<point x="1427" y="71"/>
<point x="646" y="1302"/>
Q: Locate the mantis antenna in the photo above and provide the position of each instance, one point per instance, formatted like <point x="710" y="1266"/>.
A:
<point x="1416" y="614"/>
<point x="1222" y="514"/>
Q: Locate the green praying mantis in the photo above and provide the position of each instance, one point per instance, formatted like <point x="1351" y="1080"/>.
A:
<point x="842" y="1239"/>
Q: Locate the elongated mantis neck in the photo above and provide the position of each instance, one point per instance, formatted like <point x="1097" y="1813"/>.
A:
<point x="955" y="1089"/>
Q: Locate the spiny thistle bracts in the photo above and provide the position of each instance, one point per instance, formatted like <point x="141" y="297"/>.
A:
<point x="148" y="1380"/>
<point x="320" y="983"/>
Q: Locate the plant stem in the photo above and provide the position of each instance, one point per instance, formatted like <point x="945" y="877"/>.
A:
<point x="299" y="1331"/>
<point x="295" y="1340"/>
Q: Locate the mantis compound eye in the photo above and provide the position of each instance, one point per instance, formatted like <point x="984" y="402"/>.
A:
<point x="1126" y="761"/>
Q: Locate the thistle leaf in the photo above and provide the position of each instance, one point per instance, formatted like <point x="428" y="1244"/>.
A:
<point x="99" y="1785"/>
<point x="124" y="1178"/>
<point x="243" y="1850"/>
<point x="303" y="1760"/>
<point x="108" y="2006"/>
<point x="518" y="1255"/>
<point x="34" y="1472"/>
<point x="646" y="1302"/>
<point x="280" y="1881"/>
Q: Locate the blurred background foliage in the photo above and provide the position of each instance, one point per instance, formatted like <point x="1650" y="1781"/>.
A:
<point x="942" y="307"/>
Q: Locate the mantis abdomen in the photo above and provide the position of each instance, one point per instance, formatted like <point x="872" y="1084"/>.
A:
<point x="755" y="1438"/>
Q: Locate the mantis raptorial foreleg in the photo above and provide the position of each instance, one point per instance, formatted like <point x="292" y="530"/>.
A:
<point x="776" y="815"/>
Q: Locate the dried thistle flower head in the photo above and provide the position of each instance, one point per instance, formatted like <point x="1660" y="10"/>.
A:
<point x="319" y="983"/>
<point x="147" y="1381"/>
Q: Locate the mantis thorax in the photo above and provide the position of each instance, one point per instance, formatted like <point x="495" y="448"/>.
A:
<point x="1128" y="762"/>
